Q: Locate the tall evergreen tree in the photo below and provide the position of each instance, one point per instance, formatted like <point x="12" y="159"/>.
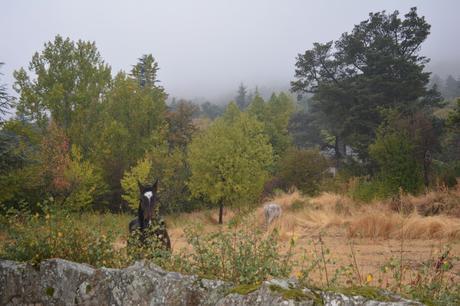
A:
<point x="375" y="66"/>
<point x="241" y="99"/>
<point x="452" y="87"/>
<point x="5" y="99"/>
<point x="145" y="71"/>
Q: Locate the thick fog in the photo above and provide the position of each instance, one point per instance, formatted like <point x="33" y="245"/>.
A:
<point x="205" y="49"/>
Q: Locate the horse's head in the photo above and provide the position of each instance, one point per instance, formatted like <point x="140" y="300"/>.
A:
<point x="147" y="202"/>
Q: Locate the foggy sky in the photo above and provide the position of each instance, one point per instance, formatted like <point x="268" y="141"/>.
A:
<point x="206" y="48"/>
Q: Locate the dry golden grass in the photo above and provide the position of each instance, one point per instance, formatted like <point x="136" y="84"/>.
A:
<point x="375" y="220"/>
<point x="376" y="230"/>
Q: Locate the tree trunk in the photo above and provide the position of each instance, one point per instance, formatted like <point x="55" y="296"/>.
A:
<point x="221" y="211"/>
<point x="337" y="151"/>
<point x="426" y="168"/>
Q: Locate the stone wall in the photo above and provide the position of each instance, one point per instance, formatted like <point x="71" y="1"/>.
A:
<point x="60" y="282"/>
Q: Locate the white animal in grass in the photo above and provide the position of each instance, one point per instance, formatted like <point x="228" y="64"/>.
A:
<point x="271" y="211"/>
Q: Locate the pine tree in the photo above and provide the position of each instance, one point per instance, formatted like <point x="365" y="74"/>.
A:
<point x="241" y="99"/>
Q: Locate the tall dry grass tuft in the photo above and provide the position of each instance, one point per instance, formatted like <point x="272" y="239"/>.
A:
<point x="304" y="216"/>
<point x="437" y="227"/>
<point x="377" y="220"/>
<point x="377" y="225"/>
<point x="286" y="199"/>
<point x="391" y="225"/>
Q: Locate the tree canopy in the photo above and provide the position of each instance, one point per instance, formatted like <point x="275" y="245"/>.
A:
<point x="229" y="161"/>
<point x="375" y="66"/>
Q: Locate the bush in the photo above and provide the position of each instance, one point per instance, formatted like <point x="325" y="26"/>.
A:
<point x="447" y="173"/>
<point x="152" y="249"/>
<point x="242" y="256"/>
<point x="304" y="169"/>
<point x="394" y="150"/>
<point x="398" y="167"/>
<point x="366" y="190"/>
<point x="55" y="234"/>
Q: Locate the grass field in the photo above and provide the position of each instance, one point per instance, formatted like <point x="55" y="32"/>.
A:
<point x="368" y="235"/>
<point x="374" y="244"/>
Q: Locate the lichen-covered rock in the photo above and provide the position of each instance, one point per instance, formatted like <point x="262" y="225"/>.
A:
<point x="60" y="282"/>
<point x="339" y="299"/>
<point x="265" y="296"/>
<point x="54" y="282"/>
<point x="147" y="284"/>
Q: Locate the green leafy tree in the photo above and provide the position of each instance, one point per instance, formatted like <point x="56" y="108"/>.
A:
<point x="21" y="172"/>
<point x="280" y="109"/>
<point x="212" y="111"/>
<point x="229" y="161"/>
<point x="451" y="142"/>
<point x="112" y="154"/>
<point x="133" y="121"/>
<point x="171" y="168"/>
<point x="395" y="152"/>
<point x="180" y="124"/>
<point x="65" y="80"/>
<point x="275" y="115"/>
<point x="87" y="186"/>
<point x="258" y="108"/>
<point x="305" y="130"/>
<point x="141" y="172"/>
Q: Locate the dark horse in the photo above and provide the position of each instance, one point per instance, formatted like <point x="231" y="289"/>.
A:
<point x="148" y="212"/>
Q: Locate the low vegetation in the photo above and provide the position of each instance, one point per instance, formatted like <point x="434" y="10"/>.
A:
<point x="321" y="240"/>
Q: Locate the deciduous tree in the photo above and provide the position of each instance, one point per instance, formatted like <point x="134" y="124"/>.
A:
<point x="229" y="160"/>
<point x="66" y="81"/>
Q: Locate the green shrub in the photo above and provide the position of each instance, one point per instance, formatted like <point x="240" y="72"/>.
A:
<point x="431" y="283"/>
<point x="366" y="191"/>
<point x="152" y="249"/>
<point x="242" y="256"/>
<point x="55" y="234"/>
<point x="395" y="152"/>
<point x="447" y="173"/>
<point x="304" y="169"/>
